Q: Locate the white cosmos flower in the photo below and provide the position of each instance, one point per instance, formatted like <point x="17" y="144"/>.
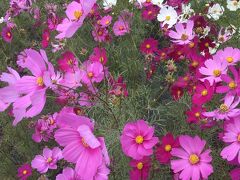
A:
<point x="233" y="5"/>
<point x="168" y="15"/>
<point x="215" y="11"/>
<point x="109" y="3"/>
<point x="187" y="12"/>
<point x="158" y="2"/>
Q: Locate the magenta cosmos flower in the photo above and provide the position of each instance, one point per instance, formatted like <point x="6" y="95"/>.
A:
<point x="232" y="86"/>
<point x="232" y="138"/>
<point x="163" y="152"/>
<point x="121" y="27"/>
<point x="213" y="70"/>
<point x="229" y="55"/>
<point x="24" y="172"/>
<point x="48" y="160"/>
<point x="194" y="115"/>
<point x="76" y="13"/>
<point x="227" y="110"/>
<point x="149" y="46"/>
<point x="99" y="55"/>
<point x="183" y="34"/>
<point x="137" y="139"/>
<point x="193" y="163"/>
<point x="80" y="144"/>
<point x="7" y="34"/>
<point x="203" y="93"/>
<point x="67" y="174"/>
<point x="105" y="21"/>
<point x="235" y="174"/>
<point x="140" y="168"/>
<point x="68" y="62"/>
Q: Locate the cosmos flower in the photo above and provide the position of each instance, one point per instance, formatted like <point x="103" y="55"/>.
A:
<point x="168" y="16"/>
<point x="7" y="34"/>
<point x="120" y="28"/>
<point x="140" y="168"/>
<point x="148" y="46"/>
<point x="24" y="172"/>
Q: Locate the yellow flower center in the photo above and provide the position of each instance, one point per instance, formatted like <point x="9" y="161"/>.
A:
<point x="101" y="59"/>
<point x="224" y="108"/>
<point x="40" y="81"/>
<point x="195" y="64"/>
<point x="139" y="139"/>
<point x="121" y="28"/>
<point x="90" y="74"/>
<point x="148" y="46"/>
<point x="204" y="92"/>
<point x="191" y="44"/>
<point x="9" y="34"/>
<point x="168" y="18"/>
<point x="52" y="122"/>
<point x="197" y="114"/>
<point x="107" y="22"/>
<point x="84" y="143"/>
<point x="193" y="159"/>
<point x="70" y="62"/>
<point x="148" y="1"/>
<point x="49" y="160"/>
<point x="140" y="165"/>
<point x="238" y="137"/>
<point x="217" y="72"/>
<point x="206" y="44"/>
<point x="184" y="37"/>
<point x="25" y="172"/>
<point x="229" y="59"/>
<point x="232" y="85"/>
<point x="149" y="12"/>
<point x="78" y="14"/>
<point x="168" y="147"/>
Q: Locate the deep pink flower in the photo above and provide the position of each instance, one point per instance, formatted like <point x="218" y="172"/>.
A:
<point x="99" y="55"/>
<point x="213" y="70"/>
<point x="92" y="73"/>
<point x="45" y="38"/>
<point x="183" y="35"/>
<point x="194" y="115"/>
<point x="121" y="27"/>
<point x="140" y="168"/>
<point x="232" y="138"/>
<point x="80" y="144"/>
<point x="24" y="172"/>
<point x="163" y="153"/>
<point x="68" y="62"/>
<point x="150" y="12"/>
<point x="105" y="21"/>
<point x="118" y="87"/>
<point x="193" y="162"/>
<point x="227" y="110"/>
<point x="48" y="160"/>
<point x="233" y="85"/>
<point x="235" y="174"/>
<point x="137" y="139"/>
<point x="203" y="93"/>
<point x="229" y="55"/>
<point x="7" y="34"/>
<point x="99" y="34"/>
<point x="149" y="46"/>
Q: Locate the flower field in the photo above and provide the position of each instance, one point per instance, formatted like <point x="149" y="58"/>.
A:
<point x="127" y="89"/>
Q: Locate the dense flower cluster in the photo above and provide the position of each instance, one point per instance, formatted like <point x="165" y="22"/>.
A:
<point x="211" y="79"/>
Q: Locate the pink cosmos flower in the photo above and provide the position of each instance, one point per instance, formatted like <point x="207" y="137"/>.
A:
<point x="232" y="138"/>
<point x="92" y="73"/>
<point x="227" y="110"/>
<point x="48" y="160"/>
<point x="150" y="12"/>
<point x="235" y="174"/>
<point x="229" y="55"/>
<point x="99" y="34"/>
<point x="203" y="93"/>
<point x="76" y="13"/>
<point x="67" y="174"/>
<point x="7" y="34"/>
<point x="137" y="139"/>
<point x="193" y="162"/>
<point x="213" y="70"/>
<point x="68" y="62"/>
<point x="232" y="86"/>
<point x="24" y="172"/>
<point x="140" y="169"/>
<point x="105" y="21"/>
<point x="149" y="46"/>
<point x="45" y="38"/>
<point x="182" y="35"/>
<point x="163" y="153"/>
<point x="121" y="27"/>
<point x="99" y="55"/>
<point x="80" y="144"/>
<point x="194" y="115"/>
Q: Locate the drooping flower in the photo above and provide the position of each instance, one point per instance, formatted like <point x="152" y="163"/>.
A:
<point x="80" y="144"/>
<point x="48" y="160"/>
<point x="137" y="139"/>
<point x="7" y="34"/>
<point x="182" y="35"/>
<point x="148" y="46"/>
<point x="232" y="138"/>
<point x="167" y="15"/>
<point x="213" y="70"/>
<point x="227" y="110"/>
<point x="194" y="163"/>
<point x="24" y="172"/>
<point x="140" y="168"/>
<point x="163" y="153"/>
